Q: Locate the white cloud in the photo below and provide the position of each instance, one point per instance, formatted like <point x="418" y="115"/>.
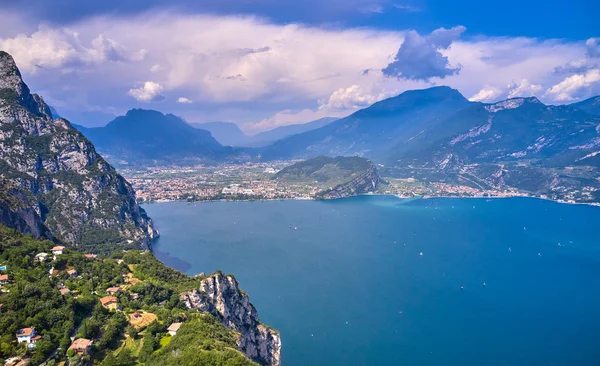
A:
<point x="355" y="97"/>
<point x="570" y="87"/>
<point x="57" y="47"/>
<point x="149" y="92"/>
<point x="523" y="88"/>
<point x="183" y="100"/>
<point x="247" y="69"/>
<point x="486" y="95"/>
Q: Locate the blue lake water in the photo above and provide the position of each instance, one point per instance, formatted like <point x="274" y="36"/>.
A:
<point x="349" y="286"/>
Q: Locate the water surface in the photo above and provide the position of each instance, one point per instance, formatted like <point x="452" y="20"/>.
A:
<point x="350" y="286"/>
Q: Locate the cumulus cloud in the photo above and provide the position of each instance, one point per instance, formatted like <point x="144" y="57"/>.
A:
<point x="57" y="47"/>
<point x="523" y="88"/>
<point x="149" y="92"/>
<point x="183" y="100"/>
<point x="421" y="58"/>
<point x="572" y="87"/>
<point x="486" y="95"/>
<point x="593" y="47"/>
<point x="250" y="70"/>
<point x="354" y="97"/>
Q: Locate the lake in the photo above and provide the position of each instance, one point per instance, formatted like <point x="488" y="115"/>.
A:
<point x="376" y="280"/>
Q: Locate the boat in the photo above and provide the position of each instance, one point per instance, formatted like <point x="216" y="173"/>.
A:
<point x="483" y="284"/>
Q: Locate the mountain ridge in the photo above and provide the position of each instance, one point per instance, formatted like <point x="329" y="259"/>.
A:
<point x="63" y="183"/>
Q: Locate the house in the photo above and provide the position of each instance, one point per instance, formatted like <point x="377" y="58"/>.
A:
<point x="113" y="290"/>
<point x="91" y="256"/>
<point x="25" y="335"/>
<point x="134" y="296"/>
<point x="81" y="346"/>
<point x="110" y="302"/>
<point x="72" y="273"/>
<point x="173" y="328"/>
<point x="136" y="315"/>
<point x="3" y="280"/>
<point x="41" y="257"/>
<point x="65" y="291"/>
<point x="1" y="307"/>
<point x="58" y="250"/>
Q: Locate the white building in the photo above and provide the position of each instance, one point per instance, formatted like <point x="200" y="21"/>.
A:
<point x="173" y="328"/>
<point x="58" y="250"/>
<point x="25" y="335"/>
<point x="41" y="257"/>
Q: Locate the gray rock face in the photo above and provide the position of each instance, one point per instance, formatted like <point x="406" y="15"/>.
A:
<point x="75" y="193"/>
<point x="366" y="182"/>
<point x="221" y="296"/>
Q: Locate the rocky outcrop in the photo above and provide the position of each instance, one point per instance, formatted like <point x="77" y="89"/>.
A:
<point x="221" y="296"/>
<point x="17" y="213"/>
<point x="366" y="182"/>
<point x="75" y="193"/>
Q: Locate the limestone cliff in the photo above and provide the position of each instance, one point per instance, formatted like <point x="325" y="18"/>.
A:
<point x="221" y="296"/>
<point x="367" y="181"/>
<point x="75" y="193"/>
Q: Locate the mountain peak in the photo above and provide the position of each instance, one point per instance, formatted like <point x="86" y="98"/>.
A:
<point x="14" y="90"/>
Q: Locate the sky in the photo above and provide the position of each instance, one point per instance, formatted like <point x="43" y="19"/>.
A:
<point x="268" y="63"/>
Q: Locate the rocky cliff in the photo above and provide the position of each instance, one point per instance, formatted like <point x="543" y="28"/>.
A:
<point x="365" y="182"/>
<point x="221" y="296"/>
<point x="77" y="196"/>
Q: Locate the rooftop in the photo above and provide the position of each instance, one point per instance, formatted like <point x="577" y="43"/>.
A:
<point x="174" y="327"/>
<point x="108" y="299"/>
<point x="25" y="332"/>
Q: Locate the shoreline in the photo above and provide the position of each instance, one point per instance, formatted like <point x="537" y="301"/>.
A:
<point x="592" y="204"/>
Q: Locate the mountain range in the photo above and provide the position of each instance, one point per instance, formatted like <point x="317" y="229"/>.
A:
<point x="437" y="134"/>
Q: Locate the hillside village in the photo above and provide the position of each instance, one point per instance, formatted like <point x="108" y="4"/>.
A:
<point x="59" y="306"/>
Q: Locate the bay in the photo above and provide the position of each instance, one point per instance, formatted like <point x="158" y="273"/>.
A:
<point x="376" y="280"/>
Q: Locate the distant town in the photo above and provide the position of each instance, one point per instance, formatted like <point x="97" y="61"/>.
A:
<point x="253" y="181"/>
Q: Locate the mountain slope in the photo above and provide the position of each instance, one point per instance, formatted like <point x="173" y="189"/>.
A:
<point x="373" y="130"/>
<point x="278" y="133"/>
<point x="75" y="193"/>
<point x="226" y="133"/>
<point x="590" y="105"/>
<point x="520" y="143"/>
<point x="150" y="136"/>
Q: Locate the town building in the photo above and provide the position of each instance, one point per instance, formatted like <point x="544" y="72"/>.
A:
<point x="25" y="335"/>
<point x="41" y="257"/>
<point x="58" y="250"/>
<point x="3" y="280"/>
<point x="173" y="328"/>
<point x="72" y="273"/>
<point x="65" y="291"/>
<point x="91" y="256"/>
<point x="110" y="302"/>
<point x="113" y="290"/>
<point x="81" y="346"/>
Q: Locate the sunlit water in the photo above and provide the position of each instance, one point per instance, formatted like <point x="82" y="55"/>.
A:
<point x="350" y="286"/>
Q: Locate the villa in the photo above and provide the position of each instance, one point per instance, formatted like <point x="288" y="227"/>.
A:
<point x="110" y="302"/>
<point x="3" y="279"/>
<point x="25" y="335"/>
<point x="81" y="346"/>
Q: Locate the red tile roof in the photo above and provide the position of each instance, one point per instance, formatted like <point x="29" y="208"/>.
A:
<point x="107" y="300"/>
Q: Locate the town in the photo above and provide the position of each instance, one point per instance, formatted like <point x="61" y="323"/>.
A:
<point x="253" y="181"/>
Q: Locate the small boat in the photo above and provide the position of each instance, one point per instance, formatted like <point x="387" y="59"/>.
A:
<point x="462" y="287"/>
<point x="483" y="284"/>
<point x="295" y="227"/>
<point x="509" y="249"/>
<point x="421" y="254"/>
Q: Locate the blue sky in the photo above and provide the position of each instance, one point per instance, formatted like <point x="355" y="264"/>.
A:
<point x="266" y="63"/>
